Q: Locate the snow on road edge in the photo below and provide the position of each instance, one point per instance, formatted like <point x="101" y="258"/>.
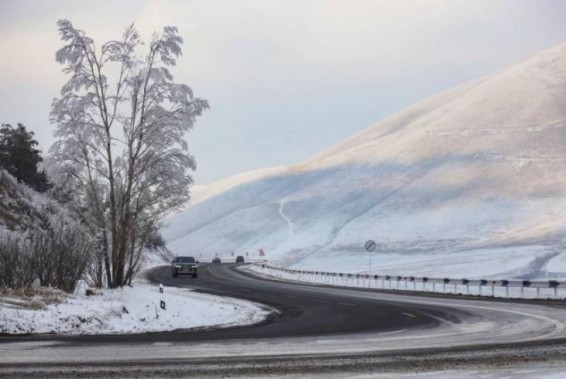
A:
<point x="130" y="310"/>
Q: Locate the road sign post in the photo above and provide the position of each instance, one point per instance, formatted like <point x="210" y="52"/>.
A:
<point x="370" y="247"/>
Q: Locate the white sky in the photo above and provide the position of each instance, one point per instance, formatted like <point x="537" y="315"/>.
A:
<point x="285" y="79"/>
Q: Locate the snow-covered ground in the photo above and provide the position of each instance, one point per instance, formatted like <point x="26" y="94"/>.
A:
<point x="469" y="183"/>
<point x="126" y="310"/>
<point x="551" y="370"/>
<point x="512" y="262"/>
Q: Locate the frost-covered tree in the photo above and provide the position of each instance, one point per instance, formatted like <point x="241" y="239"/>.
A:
<point x="121" y="122"/>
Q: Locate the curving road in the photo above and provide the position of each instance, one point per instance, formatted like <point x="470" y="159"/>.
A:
<point x="301" y="310"/>
<point x="313" y="328"/>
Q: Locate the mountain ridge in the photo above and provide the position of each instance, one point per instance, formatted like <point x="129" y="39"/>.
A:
<point x="475" y="167"/>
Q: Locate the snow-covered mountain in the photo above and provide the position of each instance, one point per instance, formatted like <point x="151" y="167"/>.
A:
<point x="470" y="182"/>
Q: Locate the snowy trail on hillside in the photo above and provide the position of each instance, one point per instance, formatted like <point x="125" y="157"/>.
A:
<point x="466" y="132"/>
<point x="287" y="219"/>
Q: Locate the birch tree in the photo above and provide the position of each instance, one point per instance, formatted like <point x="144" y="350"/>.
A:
<point x="121" y="122"/>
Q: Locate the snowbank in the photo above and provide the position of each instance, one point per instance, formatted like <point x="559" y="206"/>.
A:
<point x="127" y="310"/>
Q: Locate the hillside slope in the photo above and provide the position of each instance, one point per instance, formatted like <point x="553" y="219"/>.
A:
<point x="470" y="182"/>
<point x="21" y="207"/>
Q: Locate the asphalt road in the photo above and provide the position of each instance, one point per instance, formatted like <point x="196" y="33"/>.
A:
<point x="313" y="329"/>
<point x="298" y="310"/>
<point x="301" y="310"/>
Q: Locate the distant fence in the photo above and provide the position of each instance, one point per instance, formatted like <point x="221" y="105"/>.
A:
<point x="532" y="289"/>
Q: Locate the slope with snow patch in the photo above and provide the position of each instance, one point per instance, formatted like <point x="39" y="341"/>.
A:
<point x="470" y="182"/>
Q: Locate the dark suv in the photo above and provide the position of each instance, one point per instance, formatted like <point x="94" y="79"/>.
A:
<point x="184" y="265"/>
<point x="239" y="259"/>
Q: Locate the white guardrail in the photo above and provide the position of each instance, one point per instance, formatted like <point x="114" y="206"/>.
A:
<point x="526" y="289"/>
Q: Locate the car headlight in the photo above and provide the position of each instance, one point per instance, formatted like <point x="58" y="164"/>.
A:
<point x="177" y="266"/>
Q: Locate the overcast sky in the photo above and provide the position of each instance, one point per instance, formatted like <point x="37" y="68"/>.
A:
<point x="285" y="79"/>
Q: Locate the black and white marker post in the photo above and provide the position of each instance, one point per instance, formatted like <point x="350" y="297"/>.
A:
<point x="370" y="247"/>
<point x="161" y="301"/>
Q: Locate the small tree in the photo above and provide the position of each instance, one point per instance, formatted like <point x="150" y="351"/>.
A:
<point x="20" y="157"/>
<point x="121" y="123"/>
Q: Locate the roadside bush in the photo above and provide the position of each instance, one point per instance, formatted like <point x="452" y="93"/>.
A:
<point x="13" y="259"/>
<point x="57" y="256"/>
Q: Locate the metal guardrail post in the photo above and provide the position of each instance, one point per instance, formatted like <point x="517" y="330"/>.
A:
<point x="554" y="284"/>
<point x="524" y="283"/>
<point x="466" y="282"/>
<point x="505" y="283"/>
<point x="483" y="282"/>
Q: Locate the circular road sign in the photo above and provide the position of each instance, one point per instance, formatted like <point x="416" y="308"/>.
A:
<point x="370" y="245"/>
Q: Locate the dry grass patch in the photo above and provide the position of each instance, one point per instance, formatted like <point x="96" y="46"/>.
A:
<point x="31" y="298"/>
